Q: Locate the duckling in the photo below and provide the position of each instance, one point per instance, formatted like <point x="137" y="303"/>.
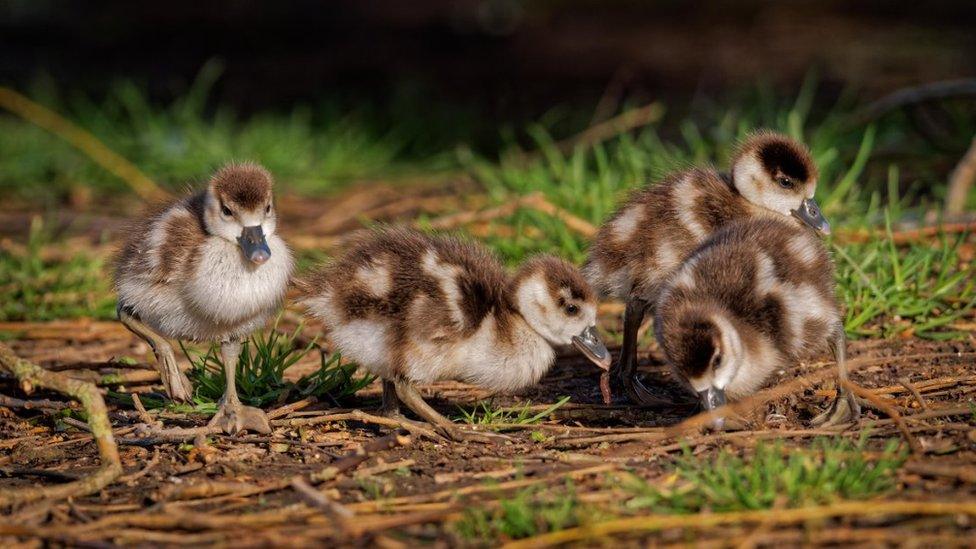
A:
<point x="207" y="267"/>
<point x="757" y="296"/>
<point x="414" y="308"/>
<point x="652" y="232"/>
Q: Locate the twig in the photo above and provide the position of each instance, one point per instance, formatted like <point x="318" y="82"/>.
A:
<point x="141" y="411"/>
<point x="961" y="473"/>
<point x="31" y="375"/>
<point x="598" y="133"/>
<point x="318" y="499"/>
<point x="142" y="472"/>
<point x="39" y="404"/>
<point x="905" y="237"/>
<point x="384" y="467"/>
<point x="358" y="415"/>
<point x="888" y="409"/>
<point x="909" y="96"/>
<point x="961" y="181"/>
<point x="293" y="407"/>
<point x="906" y="383"/>
<point x="82" y="140"/>
<point x="352" y="460"/>
<point x="774" y="518"/>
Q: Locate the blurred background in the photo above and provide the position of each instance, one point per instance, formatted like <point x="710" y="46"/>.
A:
<point x="415" y="111"/>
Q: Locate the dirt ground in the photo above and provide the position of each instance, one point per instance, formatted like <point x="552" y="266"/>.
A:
<point x="412" y="489"/>
<point x="238" y="490"/>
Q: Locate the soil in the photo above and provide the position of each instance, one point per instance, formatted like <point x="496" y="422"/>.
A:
<point x="241" y="490"/>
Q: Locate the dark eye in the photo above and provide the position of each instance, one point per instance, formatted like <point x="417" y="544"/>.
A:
<point x="785" y="182"/>
<point x="572" y="310"/>
<point x="267" y="209"/>
<point x="225" y="210"/>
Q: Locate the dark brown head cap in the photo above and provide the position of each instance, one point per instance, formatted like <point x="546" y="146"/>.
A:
<point x="779" y="155"/>
<point x="246" y="185"/>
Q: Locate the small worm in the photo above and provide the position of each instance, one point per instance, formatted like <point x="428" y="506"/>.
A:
<point x="605" y="388"/>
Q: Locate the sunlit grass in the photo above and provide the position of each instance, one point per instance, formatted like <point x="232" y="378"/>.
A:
<point x="34" y="288"/>
<point x="829" y="470"/>
<point x="486" y="413"/>
<point x="260" y="375"/>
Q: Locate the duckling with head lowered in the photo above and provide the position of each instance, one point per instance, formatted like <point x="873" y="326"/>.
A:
<point x="654" y="231"/>
<point x="414" y="308"/>
<point x="757" y="296"/>
<point x="208" y="267"/>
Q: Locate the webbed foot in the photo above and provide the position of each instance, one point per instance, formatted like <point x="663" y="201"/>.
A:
<point x="232" y="418"/>
<point x="844" y="410"/>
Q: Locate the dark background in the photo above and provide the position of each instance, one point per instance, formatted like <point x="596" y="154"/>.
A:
<point x="512" y="59"/>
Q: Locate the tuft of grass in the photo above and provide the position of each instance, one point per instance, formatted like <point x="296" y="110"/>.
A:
<point x="919" y="289"/>
<point x="530" y="512"/>
<point x="485" y="413"/>
<point x="33" y="288"/>
<point x="830" y="470"/>
<point x="261" y="368"/>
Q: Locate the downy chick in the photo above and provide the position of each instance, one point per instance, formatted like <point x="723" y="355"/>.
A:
<point x="757" y="296"/>
<point x="413" y="309"/>
<point x="655" y="230"/>
<point x="208" y="267"/>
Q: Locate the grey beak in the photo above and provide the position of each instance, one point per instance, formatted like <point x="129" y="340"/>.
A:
<point x="255" y="247"/>
<point x="810" y="214"/>
<point x="588" y="342"/>
<point x="711" y="399"/>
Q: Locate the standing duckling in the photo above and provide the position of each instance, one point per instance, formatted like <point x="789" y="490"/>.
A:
<point x="413" y="308"/>
<point x="757" y="296"/>
<point x="208" y="267"/>
<point x="655" y="230"/>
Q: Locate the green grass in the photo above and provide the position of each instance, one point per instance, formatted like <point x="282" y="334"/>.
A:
<point x="829" y="470"/>
<point x="870" y="177"/>
<point x="485" y="413"/>
<point x="32" y="288"/>
<point x="261" y="368"/>
<point x="309" y="148"/>
<point x="529" y="512"/>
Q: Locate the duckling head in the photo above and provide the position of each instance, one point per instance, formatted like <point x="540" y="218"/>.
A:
<point x="777" y="173"/>
<point x="238" y="208"/>
<point x="556" y="302"/>
<point x="708" y="354"/>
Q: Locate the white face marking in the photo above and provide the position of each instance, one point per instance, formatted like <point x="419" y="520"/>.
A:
<point x="544" y="315"/>
<point x="624" y="226"/>
<point x="752" y="182"/>
<point x="686" y="195"/>
<point x="375" y="278"/>
<point x="230" y="228"/>
<point x="446" y="276"/>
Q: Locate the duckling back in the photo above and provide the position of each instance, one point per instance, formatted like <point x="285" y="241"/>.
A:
<point x="656" y="228"/>
<point x="771" y="282"/>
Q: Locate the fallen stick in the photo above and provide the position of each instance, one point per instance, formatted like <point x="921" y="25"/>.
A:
<point x="773" y="518"/>
<point x="861" y="236"/>
<point x="31" y="375"/>
<point x="880" y="404"/>
<point x="358" y="415"/>
<point x="353" y="460"/>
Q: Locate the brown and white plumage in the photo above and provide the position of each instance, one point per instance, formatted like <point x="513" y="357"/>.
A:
<point x="415" y="308"/>
<point x="757" y="296"/>
<point x="654" y="231"/>
<point x="207" y="267"/>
